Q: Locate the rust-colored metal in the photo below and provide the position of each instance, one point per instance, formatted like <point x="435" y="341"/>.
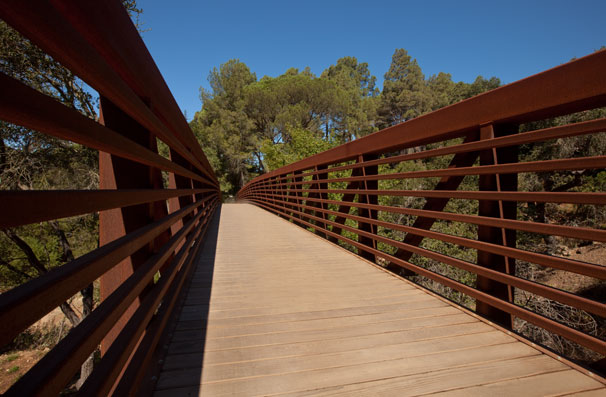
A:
<point x="367" y="212"/>
<point x="589" y="305"/>
<point x="573" y="164"/>
<point x="24" y="106"/>
<point x="117" y="173"/>
<point x="461" y="159"/>
<point x="138" y="235"/>
<point x="581" y="128"/>
<point x="321" y="186"/>
<point x="45" y="25"/>
<point x="22" y="208"/>
<point x="541" y="197"/>
<point x="344" y="206"/>
<point x="581" y="233"/>
<point x="109" y="368"/>
<point x="568" y="88"/>
<point x="486" y="127"/>
<point x="122" y="48"/>
<point x="22" y="306"/>
<point x="501" y="236"/>
<point x="588" y="269"/>
<point x="586" y="340"/>
<point x="53" y="371"/>
<point x="131" y="382"/>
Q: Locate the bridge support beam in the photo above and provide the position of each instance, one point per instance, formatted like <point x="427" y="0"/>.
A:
<point x="497" y="209"/>
<point x="118" y="173"/>
<point x="465" y="159"/>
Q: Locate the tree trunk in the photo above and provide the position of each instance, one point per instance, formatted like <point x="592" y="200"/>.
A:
<point x="87" y="300"/>
<point x="87" y="307"/>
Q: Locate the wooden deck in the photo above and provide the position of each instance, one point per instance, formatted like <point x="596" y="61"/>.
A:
<point x="273" y="309"/>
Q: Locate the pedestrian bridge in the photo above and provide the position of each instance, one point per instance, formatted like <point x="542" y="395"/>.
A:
<point x="275" y="310"/>
<point x="305" y="285"/>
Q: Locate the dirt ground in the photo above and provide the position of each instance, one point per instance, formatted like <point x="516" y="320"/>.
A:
<point x="594" y="253"/>
<point x="15" y="364"/>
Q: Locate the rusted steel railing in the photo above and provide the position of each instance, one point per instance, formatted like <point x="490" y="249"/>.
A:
<point x="145" y="229"/>
<point x="468" y="153"/>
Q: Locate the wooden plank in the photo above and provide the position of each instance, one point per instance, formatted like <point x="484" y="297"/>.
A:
<point x="357" y="321"/>
<point x="212" y="344"/>
<point x="320" y="314"/>
<point x="567" y="381"/>
<point x="239" y="370"/>
<point x="451" y="378"/>
<point x="326" y="377"/>
<point x="304" y="303"/>
<point x="599" y="392"/>
<point x="283" y="309"/>
<point x="284" y="312"/>
<point x="323" y="346"/>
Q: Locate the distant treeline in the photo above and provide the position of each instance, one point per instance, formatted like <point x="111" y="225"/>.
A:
<point x="249" y="126"/>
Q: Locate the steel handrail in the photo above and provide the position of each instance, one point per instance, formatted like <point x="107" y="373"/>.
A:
<point x="336" y="193"/>
<point x="144" y="226"/>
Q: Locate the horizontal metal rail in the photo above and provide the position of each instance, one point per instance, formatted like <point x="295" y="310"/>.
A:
<point x="586" y="340"/>
<point x="353" y="195"/>
<point x="150" y="233"/>
<point x="582" y="128"/>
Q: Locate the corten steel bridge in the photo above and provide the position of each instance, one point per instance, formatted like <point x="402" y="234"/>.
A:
<point x="251" y="304"/>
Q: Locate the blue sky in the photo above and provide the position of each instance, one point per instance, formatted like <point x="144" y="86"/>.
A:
<point x="507" y="39"/>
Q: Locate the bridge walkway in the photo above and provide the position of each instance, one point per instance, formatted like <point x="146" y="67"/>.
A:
<point x="275" y="310"/>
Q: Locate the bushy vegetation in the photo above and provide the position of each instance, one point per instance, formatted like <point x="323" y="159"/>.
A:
<point x="248" y="126"/>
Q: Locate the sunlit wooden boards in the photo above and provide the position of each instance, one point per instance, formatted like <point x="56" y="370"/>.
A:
<point x="274" y="310"/>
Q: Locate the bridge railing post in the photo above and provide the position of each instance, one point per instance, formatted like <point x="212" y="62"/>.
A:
<point x="365" y="187"/>
<point x="118" y="173"/>
<point x="497" y="209"/>
<point x="298" y="194"/>
<point x="322" y="195"/>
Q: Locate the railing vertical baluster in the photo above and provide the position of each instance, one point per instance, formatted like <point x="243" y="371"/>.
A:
<point x="345" y="206"/>
<point x="288" y="183"/>
<point x="297" y="178"/>
<point x="179" y="182"/>
<point x="497" y="209"/>
<point x="283" y="195"/>
<point x="368" y="199"/>
<point x="321" y="195"/>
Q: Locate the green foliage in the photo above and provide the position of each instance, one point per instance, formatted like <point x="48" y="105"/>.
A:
<point x="242" y="117"/>
<point x="407" y="94"/>
<point x="12" y="357"/>
<point x="223" y="127"/>
<point x="301" y="144"/>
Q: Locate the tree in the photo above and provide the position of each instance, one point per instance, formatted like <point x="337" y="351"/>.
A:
<point x="291" y="100"/>
<point x="356" y="97"/>
<point x="405" y="94"/>
<point x="480" y="85"/>
<point x="302" y="143"/>
<point x="442" y="90"/>
<point x="223" y="127"/>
